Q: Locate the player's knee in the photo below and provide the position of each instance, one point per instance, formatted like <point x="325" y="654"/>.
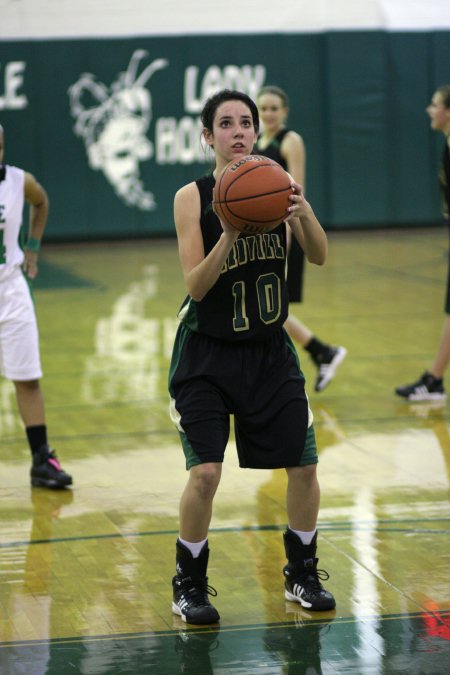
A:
<point x="206" y="478"/>
<point x="27" y="385"/>
<point x="304" y="475"/>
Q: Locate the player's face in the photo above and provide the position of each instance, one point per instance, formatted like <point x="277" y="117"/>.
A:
<point x="272" y="112"/>
<point x="439" y="114"/>
<point x="233" y="134"/>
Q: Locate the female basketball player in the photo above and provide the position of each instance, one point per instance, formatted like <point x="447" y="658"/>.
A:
<point x="430" y="386"/>
<point x="19" y="342"/>
<point x="232" y="356"/>
<point x="287" y="148"/>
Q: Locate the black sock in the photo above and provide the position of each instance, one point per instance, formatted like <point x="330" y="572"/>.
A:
<point x="315" y="347"/>
<point x="437" y="380"/>
<point x="37" y="437"/>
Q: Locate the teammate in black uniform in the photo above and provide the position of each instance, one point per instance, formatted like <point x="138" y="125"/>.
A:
<point x="287" y="148"/>
<point x="232" y="356"/>
<point x="430" y="386"/>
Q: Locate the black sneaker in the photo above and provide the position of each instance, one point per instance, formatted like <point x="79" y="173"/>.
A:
<point x="47" y="472"/>
<point x="302" y="578"/>
<point x="191" y="589"/>
<point x="190" y="600"/>
<point x="427" y="388"/>
<point x="327" y="363"/>
<point x="305" y="588"/>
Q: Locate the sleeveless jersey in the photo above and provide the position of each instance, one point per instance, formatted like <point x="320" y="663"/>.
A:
<point x="444" y="182"/>
<point x="249" y="299"/>
<point x="272" y="151"/>
<point x="11" y="208"/>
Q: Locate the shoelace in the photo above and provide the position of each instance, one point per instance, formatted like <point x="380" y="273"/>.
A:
<point x="198" y="588"/>
<point x="53" y="460"/>
<point x="316" y="576"/>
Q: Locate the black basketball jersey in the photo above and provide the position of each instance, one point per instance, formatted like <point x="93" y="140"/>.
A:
<point x="444" y="181"/>
<point x="249" y="299"/>
<point x="272" y="151"/>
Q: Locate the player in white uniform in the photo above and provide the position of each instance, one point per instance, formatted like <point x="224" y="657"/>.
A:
<point x="19" y="340"/>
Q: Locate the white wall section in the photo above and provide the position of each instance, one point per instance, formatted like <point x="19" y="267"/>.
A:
<point x="44" y="19"/>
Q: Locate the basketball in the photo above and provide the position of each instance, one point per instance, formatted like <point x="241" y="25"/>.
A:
<point x="252" y="194"/>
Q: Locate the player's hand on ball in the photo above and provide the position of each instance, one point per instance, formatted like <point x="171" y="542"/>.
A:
<point x="299" y="206"/>
<point x="226" y="227"/>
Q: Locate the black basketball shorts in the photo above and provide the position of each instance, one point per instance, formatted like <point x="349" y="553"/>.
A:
<point x="260" y="383"/>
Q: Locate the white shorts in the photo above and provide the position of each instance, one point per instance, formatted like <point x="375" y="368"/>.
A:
<point x="19" y="338"/>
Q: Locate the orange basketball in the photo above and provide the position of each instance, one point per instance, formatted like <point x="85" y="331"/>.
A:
<point x="252" y="194"/>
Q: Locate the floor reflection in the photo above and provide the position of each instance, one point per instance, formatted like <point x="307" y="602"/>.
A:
<point x="301" y="647"/>
<point x="130" y="346"/>
<point x="29" y="608"/>
<point x="85" y="575"/>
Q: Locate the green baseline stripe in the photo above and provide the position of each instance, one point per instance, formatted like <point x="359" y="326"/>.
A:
<point x="339" y="527"/>
<point x="441" y="614"/>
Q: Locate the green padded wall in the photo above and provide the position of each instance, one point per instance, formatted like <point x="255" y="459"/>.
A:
<point x="111" y="126"/>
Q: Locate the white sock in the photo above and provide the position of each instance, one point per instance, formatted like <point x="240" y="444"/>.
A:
<point x="194" y="547"/>
<point x="305" y="537"/>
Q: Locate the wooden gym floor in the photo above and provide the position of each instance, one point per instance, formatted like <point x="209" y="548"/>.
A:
<point x="85" y="574"/>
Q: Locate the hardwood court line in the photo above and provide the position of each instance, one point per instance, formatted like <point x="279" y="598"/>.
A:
<point x="241" y="628"/>
<point x="379" y="577"/>
<point x="115" y="434"/>
<point x="165" y="431"/>
<point x="324" y="527"/>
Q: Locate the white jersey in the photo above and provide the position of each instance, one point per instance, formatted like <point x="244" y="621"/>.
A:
<point x="11" y="209"/>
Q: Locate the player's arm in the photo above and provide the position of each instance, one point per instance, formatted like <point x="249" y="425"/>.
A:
<point x="200" y="272"/>
<point x="294" y="153"/>
<point x="306" y="227"/>
<point x="37" y="198"/>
